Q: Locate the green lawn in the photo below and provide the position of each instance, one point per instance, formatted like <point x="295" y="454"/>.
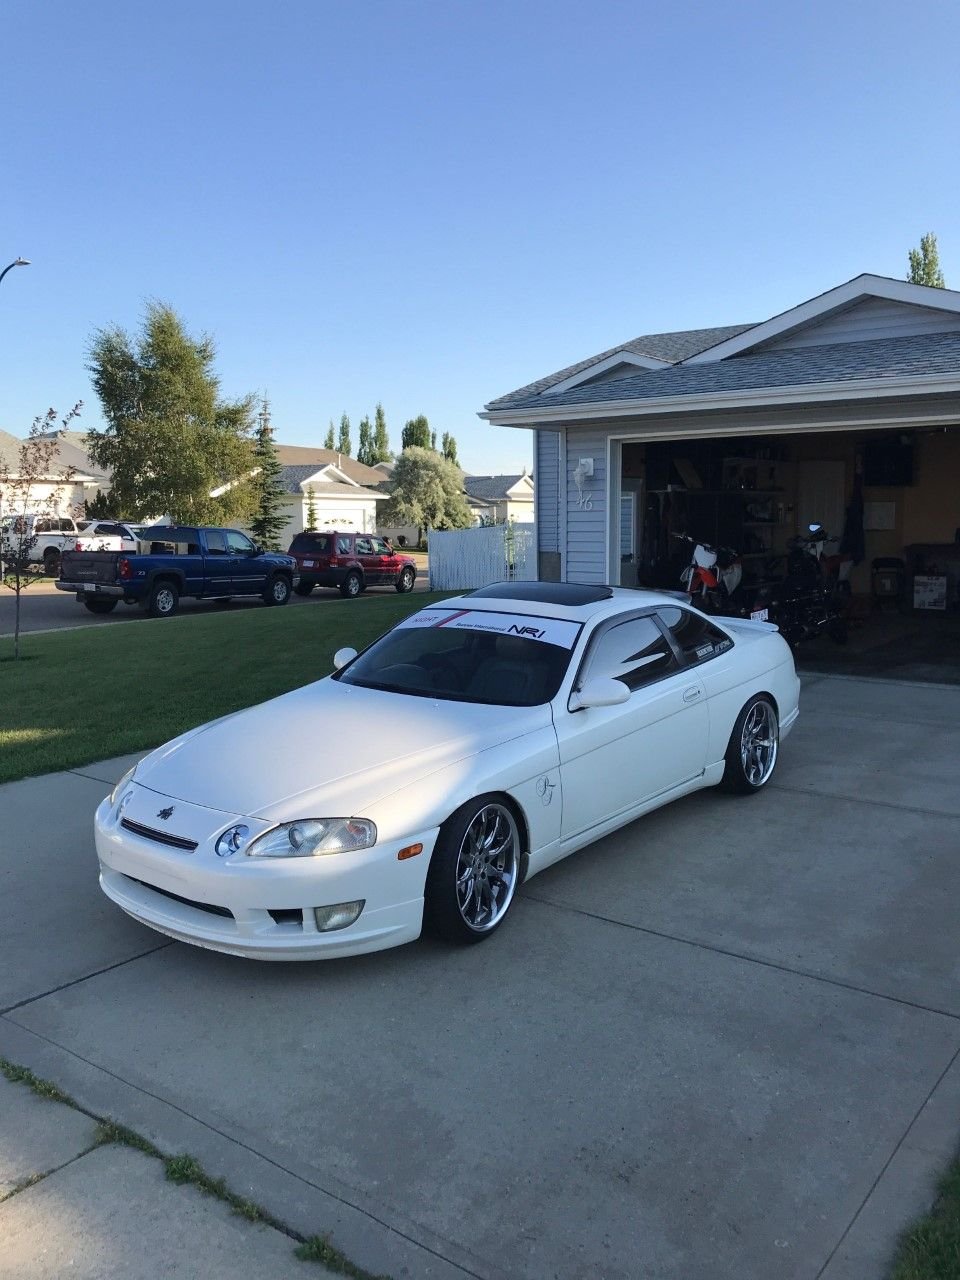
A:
<point x="930" y="1250"/>
<point x="84" y="695"/>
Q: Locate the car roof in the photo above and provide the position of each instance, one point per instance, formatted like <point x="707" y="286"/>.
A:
<point x="546" y="600"/>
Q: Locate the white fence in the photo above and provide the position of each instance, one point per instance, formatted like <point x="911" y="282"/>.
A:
<point x="463" y="559"/>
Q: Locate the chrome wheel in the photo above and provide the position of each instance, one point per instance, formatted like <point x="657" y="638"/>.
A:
<point x="759" y="740"/>
<point x="487" y="867"/>
<point x="165" y="600"/>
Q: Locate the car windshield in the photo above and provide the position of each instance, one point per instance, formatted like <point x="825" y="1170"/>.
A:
<point x="469" y="655"/>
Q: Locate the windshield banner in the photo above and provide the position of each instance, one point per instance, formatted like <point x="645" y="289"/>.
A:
<point x="546" y="630"/>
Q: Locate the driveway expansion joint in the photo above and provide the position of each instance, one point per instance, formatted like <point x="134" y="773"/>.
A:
<point x="75" y="982"/>
<point x="871" y="802"/>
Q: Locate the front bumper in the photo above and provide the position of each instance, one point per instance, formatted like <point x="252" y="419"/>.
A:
<point x="261" y="908"/>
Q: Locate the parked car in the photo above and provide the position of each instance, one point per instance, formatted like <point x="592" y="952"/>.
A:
<point x="37" y="538"/>
<point x="205" y="563"/>
<point x="472" y="746"/>
<point x="350" y="561"/>
<point x="108" y="535"/>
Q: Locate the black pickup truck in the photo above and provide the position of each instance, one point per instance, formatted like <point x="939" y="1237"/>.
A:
<point x="177" y="561"/>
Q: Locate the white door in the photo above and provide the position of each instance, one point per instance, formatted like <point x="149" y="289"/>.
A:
<point x="614" y="759"/>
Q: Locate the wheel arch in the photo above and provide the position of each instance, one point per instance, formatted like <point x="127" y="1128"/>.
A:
<point x="515" y="807"/>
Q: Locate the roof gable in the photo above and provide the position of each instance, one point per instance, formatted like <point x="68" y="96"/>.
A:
<point x="820" y="321"/>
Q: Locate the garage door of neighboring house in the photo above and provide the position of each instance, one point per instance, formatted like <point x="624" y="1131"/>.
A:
<point x="820" y="496"/>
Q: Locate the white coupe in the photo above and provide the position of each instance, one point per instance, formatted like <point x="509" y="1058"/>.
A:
<point x="479" y="741"/>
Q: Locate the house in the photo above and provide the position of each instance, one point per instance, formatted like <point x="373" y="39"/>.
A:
<point x="498" y="499"/>
<point x="328" y="494"/>
<point x="742" y="435"/>
<point x="53" y="494"/>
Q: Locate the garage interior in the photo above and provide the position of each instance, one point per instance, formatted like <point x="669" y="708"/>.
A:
<point x="754" y="492"/>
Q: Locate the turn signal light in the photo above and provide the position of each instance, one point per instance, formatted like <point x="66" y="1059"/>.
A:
<point x="410" y="851"/>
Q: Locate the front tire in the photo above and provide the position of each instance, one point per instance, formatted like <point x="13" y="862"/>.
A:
<point x="352" y="585"/>
<point x="101" y="606"/>
<point x="164" y="600"/>
<point x="278" y="591"/>
<point x="406" y="580"/>
<point x="753" y="749"/>
<point x="474" y="872"/>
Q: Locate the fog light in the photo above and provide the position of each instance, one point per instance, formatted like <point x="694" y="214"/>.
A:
<point x="339" y="916"/>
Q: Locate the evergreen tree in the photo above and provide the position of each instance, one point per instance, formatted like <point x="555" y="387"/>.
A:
<point x="311" y="509"/>
<point x="925" y="263"/>
<point x="343" y="441"/>
<point x="381" y="441"/>
<point x="328" y="442"/>
<point x="169" y="438"/>
<point x="365" y="452"/>
<point x="450" y="448"/>
<point x="269" y="519"/>
<point x="416" y="434"/>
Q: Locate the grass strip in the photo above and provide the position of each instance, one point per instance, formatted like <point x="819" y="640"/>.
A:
<point x="930" y="1249"/>
<point x="186" y="1170"/>
<point x="95" y="692"/>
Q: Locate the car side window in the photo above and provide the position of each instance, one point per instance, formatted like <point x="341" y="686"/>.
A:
<point x="343" y="547"/>
<point x="694" y="635"/>
<point x="216" y="542"/>
<point x="364" y="547"/>
<point x="237" y="543"/>
<point x="380" y="548"/>
<point x="42" y="526"/>
<point x="67" y="526"/>
<point x="635" y="651"/>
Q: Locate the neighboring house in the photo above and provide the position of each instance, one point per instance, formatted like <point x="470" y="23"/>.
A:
<point x="339" y="502"/>
<point x="497" y="499"/>
<point x="743" y="435"/>
<point x="52" y="494"/>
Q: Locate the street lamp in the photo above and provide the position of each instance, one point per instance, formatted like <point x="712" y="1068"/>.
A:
<point x="20" y="262"/>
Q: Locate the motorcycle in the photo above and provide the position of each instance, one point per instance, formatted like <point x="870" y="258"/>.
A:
<point x="810" y="599"/>
<point x="712" y="578"/>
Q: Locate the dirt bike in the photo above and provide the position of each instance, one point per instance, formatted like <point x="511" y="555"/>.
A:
<point x="713" y="577"/>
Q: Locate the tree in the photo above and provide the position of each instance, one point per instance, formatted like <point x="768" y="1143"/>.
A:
<point x="433" y="441"/>
<point x="269" y="518"/>
<point x="416" y="434"/>
<point x="427" y="490"/>
<point x="925" y="263"/>
<point x="343" y="440"/>
<point x="381" y="441"/>
<point x="450" y="448"/>
<point x="170" y="439"/>
<point x="328" y="438"/>
<point x="311" y="509"/>
<point x="365" y="452"/>
<point x="33" y="466"/>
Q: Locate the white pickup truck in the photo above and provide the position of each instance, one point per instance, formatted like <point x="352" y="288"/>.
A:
<point x="108" y="535"/>
<point x="37" y="538"/>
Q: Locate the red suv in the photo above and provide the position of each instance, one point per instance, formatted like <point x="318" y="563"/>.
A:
<point x="350" y="561"/>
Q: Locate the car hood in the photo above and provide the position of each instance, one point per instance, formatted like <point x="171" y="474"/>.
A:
<point x="326" y="744"/>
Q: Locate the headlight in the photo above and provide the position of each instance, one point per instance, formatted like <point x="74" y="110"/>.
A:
<point x="312" y="836"/>
<point x="118" y="789"/>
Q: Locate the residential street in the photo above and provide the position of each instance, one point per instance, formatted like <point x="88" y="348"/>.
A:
<point x="44" y="608"/>
<point x="720" y="1043"/>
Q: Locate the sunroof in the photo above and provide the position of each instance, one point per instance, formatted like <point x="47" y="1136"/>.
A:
<point x="570" y="593"/>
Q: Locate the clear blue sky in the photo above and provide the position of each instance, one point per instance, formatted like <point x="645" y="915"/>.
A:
<point x="430" y="203"/>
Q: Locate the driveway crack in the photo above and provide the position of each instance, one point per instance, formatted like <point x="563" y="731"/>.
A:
<point x="74" y="982"/>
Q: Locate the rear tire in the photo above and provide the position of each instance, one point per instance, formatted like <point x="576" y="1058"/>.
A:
<point x="406" y="580"/>
<point x="101" y="606"/>
<point x="164" y="600"/>
<point x="278" y="591"/>
<point x="304" y="588"/>
<point x="753" y="748"/>
<point x="51" y="564"/>
<point x="352" y="585"/>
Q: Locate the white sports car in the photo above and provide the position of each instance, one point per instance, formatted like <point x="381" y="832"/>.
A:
<point x="479" y="741"/>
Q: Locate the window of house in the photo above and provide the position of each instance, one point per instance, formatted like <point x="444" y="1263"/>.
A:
<point x="696" y="636"/>
<point x="635" y="652"/>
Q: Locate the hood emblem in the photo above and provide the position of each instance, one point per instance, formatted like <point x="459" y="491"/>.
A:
<point x="164" y="814"/>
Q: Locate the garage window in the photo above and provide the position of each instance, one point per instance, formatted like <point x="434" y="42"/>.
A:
<point x="635" y="652"/>
<point x="694" y="635"/>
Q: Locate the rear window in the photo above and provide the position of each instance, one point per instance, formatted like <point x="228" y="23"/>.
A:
<point x="316" y="542"/>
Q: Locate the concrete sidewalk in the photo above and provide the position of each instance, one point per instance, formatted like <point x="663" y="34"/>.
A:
<point x="721" y="1043"/>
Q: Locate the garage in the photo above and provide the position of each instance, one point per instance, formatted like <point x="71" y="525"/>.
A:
<point x="842" y="411"/>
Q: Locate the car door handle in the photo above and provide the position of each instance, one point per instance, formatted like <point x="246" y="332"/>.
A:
<point x="692" y="694"/>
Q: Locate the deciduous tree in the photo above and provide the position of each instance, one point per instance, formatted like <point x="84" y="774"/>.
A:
<point x="427" y="490"/>
<point x="925" y="263"/>
<point x="450" y="448"/>
<point x="416" y="433"/>
<point x="328" y="439"/>
<point x="343" y="440"/>
<point x="381" y="441"/>
<point x="365" y="452"/>
<point x="170" y="438"/>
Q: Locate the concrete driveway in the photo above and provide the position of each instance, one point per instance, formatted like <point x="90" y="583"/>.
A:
<point x="721" y="1043"/>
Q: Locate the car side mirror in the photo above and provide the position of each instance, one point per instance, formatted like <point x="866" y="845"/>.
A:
<point x="255" y="550"/>
<point x="601" y="691"/>
<point x="342" y="657"/>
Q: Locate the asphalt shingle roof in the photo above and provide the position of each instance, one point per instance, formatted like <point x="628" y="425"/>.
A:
<point x="489" y="488"/>
<point x="292" y="477"/>
<point x="672" y="347"/>
<point x="934" y="353"/>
